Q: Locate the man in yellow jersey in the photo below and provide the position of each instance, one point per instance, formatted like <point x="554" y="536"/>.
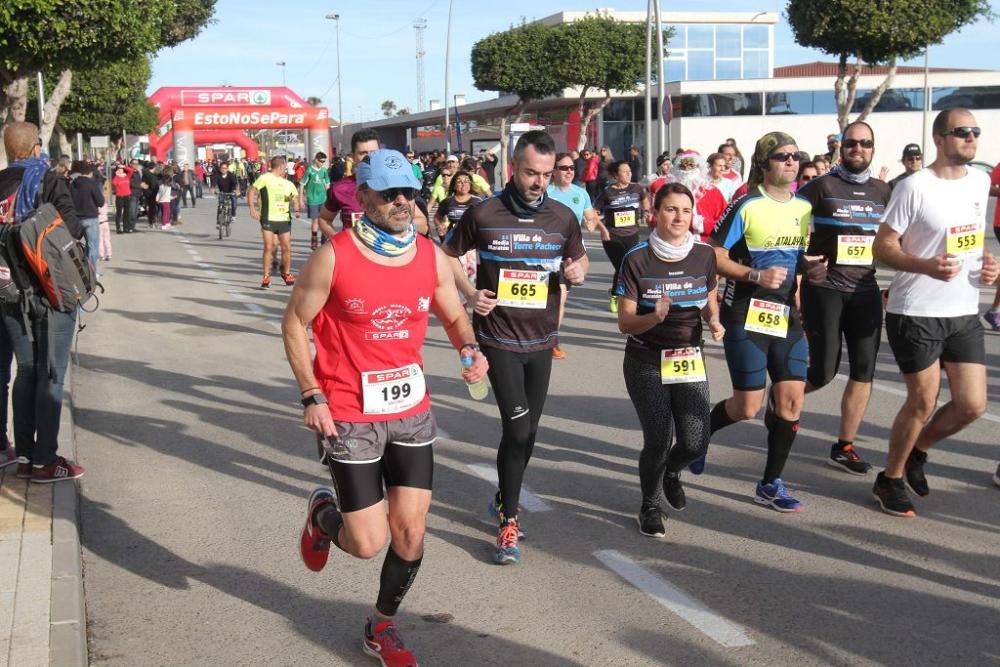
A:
<point x="277" y="194"/>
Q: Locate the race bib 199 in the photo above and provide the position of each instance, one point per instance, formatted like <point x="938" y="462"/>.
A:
<point x="855" y="250"/>
<point x="625" y="218"/>
<point x="523" y="289"/>
<point x="965" y="239"/>
<point x="392" y="391"/>
<point x="767" y="317"/>
<point x="682" y="365"/>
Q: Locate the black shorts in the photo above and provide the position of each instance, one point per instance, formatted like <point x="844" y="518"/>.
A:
<point x="918" y="342"/>
<point x="827" y="314"/>
<point x="996" y="232"/>
<point x="366" y="455"/>
<point x="276" y="227"/>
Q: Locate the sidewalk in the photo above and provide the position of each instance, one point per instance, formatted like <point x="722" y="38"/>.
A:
<point x="42" y="613"/>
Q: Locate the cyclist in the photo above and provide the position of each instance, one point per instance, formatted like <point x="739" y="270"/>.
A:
<point x="365" y="392"/>
<point x="277" y="193"/>
<point x="314" y="185"/>
<point x="760" y="246"/>
<point x="525" y="241"/>
<point x="667" y="285"/>
<point x="228" y="186"/>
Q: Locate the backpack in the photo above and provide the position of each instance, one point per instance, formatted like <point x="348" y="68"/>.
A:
<point x="56" y="259"/>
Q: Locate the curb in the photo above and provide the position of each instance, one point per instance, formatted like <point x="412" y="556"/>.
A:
<point x="67" y="612"/>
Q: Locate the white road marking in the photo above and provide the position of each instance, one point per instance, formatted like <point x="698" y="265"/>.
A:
<point x="902" y="394"/>
<point x="529" y="500"/>
<point x="274" y="325"/>
<point x="443" y="434"/>
<point x="694" y="612"/>
<point x="253" y="307"/>
<point x="197" y="258"/>
<point x="237" y="295"/>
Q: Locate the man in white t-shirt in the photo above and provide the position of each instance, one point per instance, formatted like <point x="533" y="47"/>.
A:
<point x="932" y="233"/>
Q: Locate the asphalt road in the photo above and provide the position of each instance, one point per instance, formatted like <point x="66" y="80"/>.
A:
<point x="198" y="470"/>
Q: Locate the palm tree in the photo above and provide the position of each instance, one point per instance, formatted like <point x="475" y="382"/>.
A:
<point x="314" y="101"/>
<point x="388" y="107"/>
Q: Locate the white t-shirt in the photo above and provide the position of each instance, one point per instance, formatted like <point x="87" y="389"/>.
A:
<point x="924" y="210"/>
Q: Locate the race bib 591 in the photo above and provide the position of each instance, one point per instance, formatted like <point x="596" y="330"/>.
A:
<point x="682" y="365"/>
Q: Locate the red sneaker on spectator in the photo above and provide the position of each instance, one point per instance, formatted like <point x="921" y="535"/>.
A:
<point x="56" y="472"/>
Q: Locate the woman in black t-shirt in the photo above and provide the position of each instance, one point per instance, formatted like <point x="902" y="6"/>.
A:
<point x="623" y="205"/>
<point x="459" y="199"/>
<point x="667" y="286"/>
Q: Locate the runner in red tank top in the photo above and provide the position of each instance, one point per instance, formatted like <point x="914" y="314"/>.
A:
<point x="368" y="295"/>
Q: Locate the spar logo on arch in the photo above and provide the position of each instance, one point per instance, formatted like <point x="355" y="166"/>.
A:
<point x="225" y="97"/>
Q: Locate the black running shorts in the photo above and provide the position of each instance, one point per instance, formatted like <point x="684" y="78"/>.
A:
<point x="918" y="342"/>
<point x="827" y="315"/>
<point x="276" y="227"/>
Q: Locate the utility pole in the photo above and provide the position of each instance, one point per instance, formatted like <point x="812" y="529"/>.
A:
<point x="447" y="101"/>
<point x="420" y="26"/>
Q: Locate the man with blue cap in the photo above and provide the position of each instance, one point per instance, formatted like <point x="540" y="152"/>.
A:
<point x="368" y="295"/>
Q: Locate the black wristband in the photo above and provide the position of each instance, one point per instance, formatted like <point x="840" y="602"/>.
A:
<point x="314" y="399"/>
<point x="473" y="346"/>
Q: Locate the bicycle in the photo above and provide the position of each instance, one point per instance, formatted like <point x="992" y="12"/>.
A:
<point x="224" y="215"/>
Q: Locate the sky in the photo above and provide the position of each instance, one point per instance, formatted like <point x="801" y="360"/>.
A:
<point x="378" y="46"/>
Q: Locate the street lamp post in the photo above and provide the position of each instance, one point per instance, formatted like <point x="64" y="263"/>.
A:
<point x="340" y="99"/>
<point x="281" y="64"/>
<point x="447" y="53"/>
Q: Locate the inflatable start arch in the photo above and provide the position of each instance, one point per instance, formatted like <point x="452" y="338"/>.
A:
<point x="190" y="116"/>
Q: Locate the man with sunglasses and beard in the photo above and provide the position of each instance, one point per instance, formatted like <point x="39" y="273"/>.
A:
<point x="933" y="234"/>
<point x="847" y="204"/>
<point x="527" y="243"/>
<point x="368" y="295"/>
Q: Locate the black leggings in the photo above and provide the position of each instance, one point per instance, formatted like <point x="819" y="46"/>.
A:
<point x="660" y="408"/>
<point x="616" y="249"/>
<point x="520" y="382"/>
<point x="829" y="316"/>
<point x="122" y="213"/>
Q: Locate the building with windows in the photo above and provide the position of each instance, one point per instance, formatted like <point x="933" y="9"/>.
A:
<point x="723" y="83"/>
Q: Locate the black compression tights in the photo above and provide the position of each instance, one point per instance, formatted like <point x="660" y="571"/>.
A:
<point x="520" y="383"/>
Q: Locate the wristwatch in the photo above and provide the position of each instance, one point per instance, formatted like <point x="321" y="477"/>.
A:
<point x="314" y="399"/>
<point x="754" y="275"/>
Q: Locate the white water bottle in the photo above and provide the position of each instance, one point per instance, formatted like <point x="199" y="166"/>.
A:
<point x="479" y="389"/>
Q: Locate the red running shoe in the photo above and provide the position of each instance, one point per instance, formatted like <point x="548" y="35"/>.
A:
<point x="314" y="545"/>
<point x="265" y="282"/>
<point x="385" y="645"/>
<point x="56" y="472"/>
<point x="288" y="278"/>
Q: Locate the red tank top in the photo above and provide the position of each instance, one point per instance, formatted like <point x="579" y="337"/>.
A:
<point x="369" y="334"/>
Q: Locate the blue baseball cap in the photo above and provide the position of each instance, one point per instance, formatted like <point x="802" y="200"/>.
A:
<point x="385" y="169"/>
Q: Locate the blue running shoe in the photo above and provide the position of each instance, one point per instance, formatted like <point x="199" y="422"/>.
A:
<point x="697" y="466"/>
<point x="507" y="552"/>
<point x="496" y="509"/>
<point x="775" y="495"/>
<point x="992" y="318"/>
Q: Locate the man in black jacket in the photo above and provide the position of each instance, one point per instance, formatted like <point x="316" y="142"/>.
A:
<point x="135" y="183"/>
<point x="31" y="330"/>
<point x="87" y="198"/>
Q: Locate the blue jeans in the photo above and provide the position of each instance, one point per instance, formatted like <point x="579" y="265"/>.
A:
<point x="38" y="389"/>
<point x="92" y="228"/>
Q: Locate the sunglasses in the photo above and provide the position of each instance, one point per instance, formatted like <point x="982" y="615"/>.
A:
<point x="963" y="132"/>
<point x="853" y="143"/>
<point x="462" y="181"/>
<point x="390" y="195"/>
<point x="914" y="158"/>
<point x="784" y="157"/>
<point x="566" y="167"/>
<point x="806" y="179"/>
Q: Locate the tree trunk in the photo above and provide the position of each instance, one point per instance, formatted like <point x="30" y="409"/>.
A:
<point x="50" y="113"/>
<point x="840" y="90"/>
<point x="879" y="91"/>
<point x="585" y="120"/>
<point x="13" y="105"/>
<point x="65" y="147"/>
<point x="852" y="93"/>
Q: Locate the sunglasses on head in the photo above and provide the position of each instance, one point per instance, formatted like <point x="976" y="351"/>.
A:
<point x="864" y="143"/>
<point x="566" y="167"/>
<point x="390" y="195"/>
<point x="963" y="132"/>
<point x="784" y="157"/>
